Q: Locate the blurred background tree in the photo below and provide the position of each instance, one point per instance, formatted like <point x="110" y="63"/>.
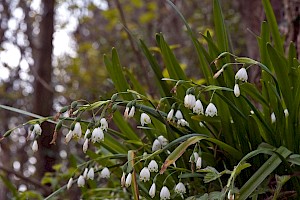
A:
<point x="51" y="54"/>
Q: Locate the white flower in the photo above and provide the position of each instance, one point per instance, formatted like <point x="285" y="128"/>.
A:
<point x="199" y="163"/>
<point x="131" y="112"/>
<point x="152" y="190"/>
<point x="145" y="174"/>
<point x="87" y="132"/>
<point x="69" y="136"/>
<point x="230" y="195"/>
<point x="128" y="180"/>
<point x="70" y="182"/>
<point x="163" y="141"/>
<point x="126" y="112"/>
<point x="85" y="145"/>
<point x="156" y="145"/>
<point x="236" y="90"/>
<point x="201" y="124"/>
<point x="180" y="188"/>
<point x="80" y="181"/>
<point x="182" y="122"/>
<point x="35" y="146"/>
<point x="123" y="179"/>
<point x="241" y="75"/>
<point x="153" y="166"/>
<point x="86" y="170"/>
<point x="286" y="112"/>
<point x="178" y="114"/>
<point x="164" y="193"/>
<point x="273" y="118"/>
<point x="251" y="112"/>
<point x="211" y="110"/>
<point x="145" y="119"/>
<point x="170" y="115"/>
<point x="105" y="173"/>
<point x="104" y="124"/>
<point x="194" y="157"/>
<point x="189" y="101"/>
<point x="91" y="174"/>
<point x="37" y="129"/>
<point x="77" y="130"/>
<point x="198" y="108"/>
<point x="218" y="73"/>
<point x="97" y="135"/>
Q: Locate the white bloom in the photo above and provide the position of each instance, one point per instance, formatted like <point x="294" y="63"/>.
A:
<point x="126" y="112"/>
<point x="178" y="114"/>
<point x="128" y="180"/>
<point x="86" y="170"/>
<point x="145" y="119"/>
<point x="273" y="118"/>
<point x="69" y="136"/>
<point x="164" y="193"/>
<point x="201" y="124"/>
<point x="87" y="132"/>
<point x="97" y="135"/>
<point x="236" y="90"/>
<point x="131" y="112"/>
<point x="180" y="188"/>
<point x="194" y="157"/>
<point x="80" y="181"/>
<point x="182" y="122"/>
<point x="85" y="145"/>
<point x="37" y="129"/>
<point x="211" y="110"/>
<point x="241" y="75"/>
<point x="170" y="115"/>
<point x="156" y="145"/>
<point x="218" y="73"/>
<point x="286" y="112"/>
<point x="251" y="112"/>
<point x="189" y="101"/>
<point x="70" y="182"/>
<point x="199" y="163"/>
<point x="198" y="108"/>
<point x="105" y="173"/>
<point x="91" y="174"/>
<point x="163" y="141"/>
<point x="123" y="179"/>
<point x="230" y="195"/>
<point x="152" y="190"/>
<point x="104" y="124"/>
<point x="35" y="146"/>
<point x="145" y="174"/>
<point x="77" y="130"/>
<point x="153" y="166"/>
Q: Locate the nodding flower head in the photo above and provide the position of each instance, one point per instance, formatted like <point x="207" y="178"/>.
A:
<point x="198" y="108"/>
<point x="37" y="129"/>
<point x="77" y="130"/>
<point x="153" y="166"/>
<point x="131" y="112"/>
<point x="180" y="188"/>
<point x="236" y="90"/>
<point x="91" y="174"/>
<point x="152" y="190"/>
<point x="241" y="75"/>
<point x="105" y="173"/>
<point x="80" y="181"/>
<point x="189" y="101"/>
<point x="35" y="146"/>
<point x="97" y="135"/>
<point x="211" y="110"/>
<point x="128" y="180"/>
<point x="164" y="193"/>
<point x="145" y="174"/>
<point x="163" y="141"/>
<point x="145" y="119"/>
<point x="170" y="115"/>
<point x="178" y="114"/>
<point x="104" y="124"/>
<point x="156" y="145"/>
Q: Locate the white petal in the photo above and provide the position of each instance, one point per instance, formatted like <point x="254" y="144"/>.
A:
<point x="35" y="146"/>
<point x="152" y="190"/>
<point x="236" y="90"/>
<point x="128" y="180"/>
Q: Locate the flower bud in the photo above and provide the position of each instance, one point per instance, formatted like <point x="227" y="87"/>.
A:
<point x="236" y="90"/>
<point x="80" y="181"/>
<point x="128" y="180"/>
<point x="152" y="190"/>
<point x="35" y="146"/>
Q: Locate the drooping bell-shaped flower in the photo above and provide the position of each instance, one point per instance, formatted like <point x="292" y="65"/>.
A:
<point x="80" y="181"/>
<point x="128" y="180"/>
<point x="180" y="188"/>
<point x="85" y="145"/>
<point x="211" y="110"/>
<point x="156" y="145"/>
<point x="170" y="115"/>
<point x="87" y="132"/>
<point x="123" y="179"/>
<point x="230" y="195"/>
<point x="163" y="141"/>
<point x="91" y="174"/>
<point x="70" y="183"/>
<point x="194" y="157"/>
<point x="189" y="101"/>
<point x="145" y="119"/>
<point x="69" y="136"/>
<point x="97" y="135"/>
<point x="241" y="75"/>
<point x="77" y="132"/>
<point x="104" y="124"/>
<point x="164" y="193"/>
<point x="236" y="90"/>
<point x="178" y="114"/>
<point x="37" y="129"/>
<point x="152" y="190"/>
<point x="105" y="173"/>
<point x="198" y="108"/>
<point x="199" y="162"/>
<point x="131" y="112"/>
<point x="273" y="118"/>
<point x="145" y="174"/>
<point x="35" y="146"/>
<point x="182" y="122"/>
<point x="286" y="112"/>
<point x="153" y="166"/>
<point x="85" y="172"/>
<point x="126" y="112"/>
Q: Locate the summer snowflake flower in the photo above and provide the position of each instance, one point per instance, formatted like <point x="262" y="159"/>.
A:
<point x="123" y="179"/>
<point x="236" y="90"/>
<point x="178" y="114"/>
<point x="35" y="146"/>
<point x="126" y="112"/>
<point x="69" y="136"/>
<point x="156" y="145"/>
<point x="241" y="75"/>
<point x="80" y="181"/>
<point x="145" y="174"/>
<point x="87" y="132"/>
<point x="182" y="122"/>
<point x="273" y="118"/>
<point x="163" y="141"/>
<point x="194" y="157"/>
<point x="91" y="174"/>
<point x="145" y="119"/>
<point x="128" y="180"/>
<point x="199" y="163"/>
<point x="131" y="112"/>
<point x="37" y="129"/>
<point x="164" y="193"/>
<point x="86" y="170"/>
<point x="105" y="173"/>
<point x="198" y="108"/>
<point x="77" y="130"/>
<point x="152" y="190"/>
<point x="180" y="188"/>
<point x="70" y="182"/>
<point x="104" y="124"/>
<point x="85" y="145"/>
<point x="170" y="115"/>
<point x="97" y="135"/>
<point x="153" y="166"/>
<point x="189" y="101"/>
<point x="286" y="112"/>
<point x="230" y="195"/>
<point x="211" y="110"/>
